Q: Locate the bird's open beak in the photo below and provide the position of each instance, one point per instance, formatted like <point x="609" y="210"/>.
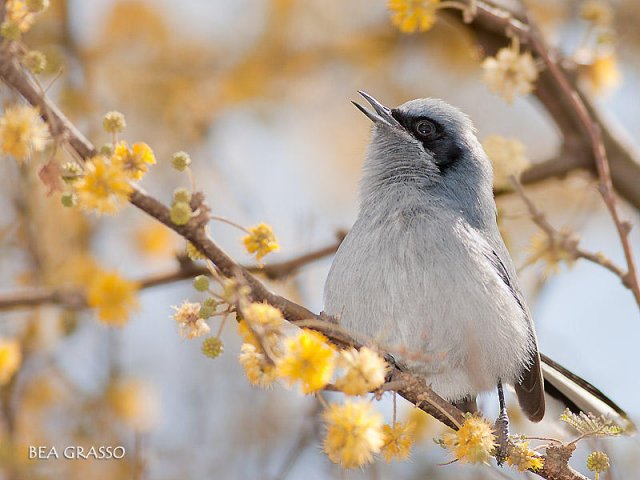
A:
<point x="382" y="114"/>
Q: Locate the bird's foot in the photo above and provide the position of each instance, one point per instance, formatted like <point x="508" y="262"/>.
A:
<point x="502" y="437"/>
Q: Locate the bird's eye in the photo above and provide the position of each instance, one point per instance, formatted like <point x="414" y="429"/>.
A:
<point x="425" y="128"/>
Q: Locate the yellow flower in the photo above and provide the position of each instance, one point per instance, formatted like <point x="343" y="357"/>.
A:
<point x="597" y="11"/>
<point x="246" y="334"/>
<point x="37" y="6"/>
<point x="35" y="61"/>
<point x="473" y="443"/>
<point x="508" y="157"/>
<point x="22" y="132"/>
<point x="365" y="371"/>
<point x="10" y="359"/>
<point x="193" y="253"/>
<point x="114" y="297"/>
<point x="135" y="403"/>
<point x="114" y="122"/>
<point x="354" y="433"/>
<point x="190" y="324"/>
<point x="412" y="15"/>
<point x="603" y="73"/>
<point x="510" y="72"/>
<point x="598" y="462"/>
<point x="398" y="439"/>
<point x="523" y="458"/>
<point x="552" y="253"/>
<point x="263" y="314"/>
<point x="18" y="14"/>
<point x="266" y="321"/>
<point x="155" y="239"/>
<point x="104" y="187"/>
<point x="258" y="369"/>
<point x="261" y="241"/>
<point x="134" y="161"/>
<point x="308" y="359"/>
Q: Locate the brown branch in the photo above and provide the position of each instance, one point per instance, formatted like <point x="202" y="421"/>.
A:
<point x="75" y="298"/>
<point x="415" y="390"/>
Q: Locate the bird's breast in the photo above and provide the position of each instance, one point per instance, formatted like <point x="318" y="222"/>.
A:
<point x="414" y="285"/>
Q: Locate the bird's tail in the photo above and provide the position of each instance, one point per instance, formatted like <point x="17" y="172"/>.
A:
<point x="579" y="395"/>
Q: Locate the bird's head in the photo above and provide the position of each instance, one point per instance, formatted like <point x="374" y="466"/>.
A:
<point x="426" y="145"/>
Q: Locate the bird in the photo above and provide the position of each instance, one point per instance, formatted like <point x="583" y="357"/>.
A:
<point x="425" y="274"/>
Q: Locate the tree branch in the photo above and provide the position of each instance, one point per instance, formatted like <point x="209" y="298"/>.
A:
<point x="75" y="299"/>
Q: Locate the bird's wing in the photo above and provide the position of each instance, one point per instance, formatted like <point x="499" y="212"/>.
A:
<point x="530" y="389"/>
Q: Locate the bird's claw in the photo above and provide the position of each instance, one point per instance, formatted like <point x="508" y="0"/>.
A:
<point x="502" y="437"/>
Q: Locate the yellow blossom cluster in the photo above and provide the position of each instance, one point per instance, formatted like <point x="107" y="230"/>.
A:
<point x="602" y="72"/>
<point x="22" y="132"/>
<point x="413" y="15"/>
<point x="508" y="157"/>
<point x="10" y="359"/>
<point x="260" y="371"/>
<point x="365" y="371"/>
<point x="135" y="403"/>
<point x="398" y="439"/>
<point x="261" y="241"/>
<point x="541" y="247"/>
<point x="105" y="184"/>
<point x="598" y="12"/>
<point x="523" y="458"/>
<point x="308" y="359"/>
<point x="155" y="240"/>
<point x="133" y="161"/>
<point x="113" y="297"/>
<point x="354" y="433"/>
<point x="598" y="462"/>
<point x="190" y="322"/>
<point x="19" y="16"/>
<point x="193" y="253"/>
<point x="510" y="72"/>
<point x="260" y="329"/>
<point x="473" y="442"/>
<point x="104" y="187"/>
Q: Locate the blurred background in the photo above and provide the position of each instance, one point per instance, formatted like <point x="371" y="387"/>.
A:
<point x="258" y="92"/>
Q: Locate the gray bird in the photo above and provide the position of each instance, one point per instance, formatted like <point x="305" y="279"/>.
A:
<point x="425" y="274"/>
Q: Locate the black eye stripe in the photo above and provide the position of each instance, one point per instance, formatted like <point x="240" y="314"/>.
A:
<point x="445" y="151"/>
<point x="410" y="123"/>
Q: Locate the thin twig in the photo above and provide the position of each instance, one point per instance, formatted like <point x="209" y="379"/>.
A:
<point x="563" y="240"/>
<point x="75" y="299"/>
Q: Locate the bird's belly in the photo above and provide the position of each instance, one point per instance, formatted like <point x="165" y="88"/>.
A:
<point x="450" y="324"/>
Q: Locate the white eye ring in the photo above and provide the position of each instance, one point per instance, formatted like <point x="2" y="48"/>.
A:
<point x="424" y="128"/>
